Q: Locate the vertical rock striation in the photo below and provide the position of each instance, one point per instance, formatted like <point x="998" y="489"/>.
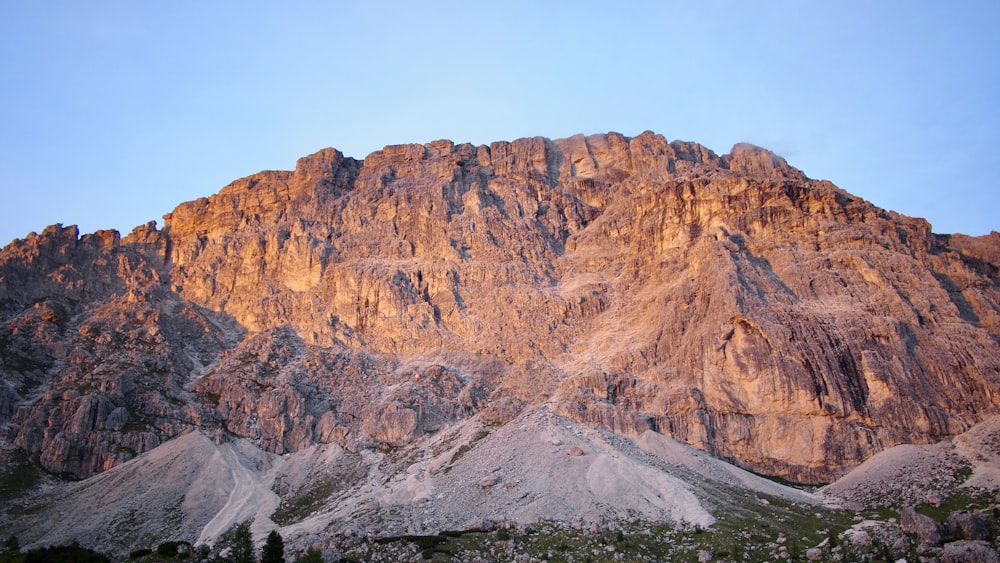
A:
<point x="635" y="283"/>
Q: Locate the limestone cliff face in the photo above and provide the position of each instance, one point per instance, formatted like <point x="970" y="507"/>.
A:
<point x="94" y="348"/>
<point x="635" y="283"/>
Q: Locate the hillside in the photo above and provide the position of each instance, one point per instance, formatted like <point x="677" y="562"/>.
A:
<point x="634" y="285"/>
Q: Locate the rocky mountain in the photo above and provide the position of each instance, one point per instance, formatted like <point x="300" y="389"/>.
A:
<point x="449" y="337"/>
<point x="635" y="284"/>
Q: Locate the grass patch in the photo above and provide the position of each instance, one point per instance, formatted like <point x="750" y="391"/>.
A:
<point x="961" y="501"/>
<point x="445" y="543"/>
<point x="753" y="532"/>
<point x="466" y="448"/>
<point x="305" y="502"/>
<point x="299" y="504"/>
<point x="18" y="475"/>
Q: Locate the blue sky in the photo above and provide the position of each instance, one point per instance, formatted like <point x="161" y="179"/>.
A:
<point x="114" y="112"/>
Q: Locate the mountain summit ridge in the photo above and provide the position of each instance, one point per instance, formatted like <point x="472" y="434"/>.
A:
<point x="731" y="302"/>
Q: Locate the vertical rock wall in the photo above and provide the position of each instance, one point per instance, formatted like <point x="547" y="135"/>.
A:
<point x="635" y="283"/>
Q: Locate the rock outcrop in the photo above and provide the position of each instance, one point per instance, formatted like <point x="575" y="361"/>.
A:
<point x="634" y="283"/>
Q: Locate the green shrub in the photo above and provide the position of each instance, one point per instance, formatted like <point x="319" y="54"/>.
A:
<point x="274" y="549"/>
<point x="167" y="548"/>
<point x="312" y="555"/>
<point x="71" y="553"/>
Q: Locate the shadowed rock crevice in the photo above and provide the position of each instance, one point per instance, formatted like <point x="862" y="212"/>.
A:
<point x="965" y="309"/>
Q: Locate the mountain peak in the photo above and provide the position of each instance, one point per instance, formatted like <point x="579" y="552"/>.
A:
<point x="638" y="284"/>
<point x="753" y="161"/>
<point x="591" y="299"/>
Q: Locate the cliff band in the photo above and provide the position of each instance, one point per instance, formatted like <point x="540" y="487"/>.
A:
<point x="730" y="302"/>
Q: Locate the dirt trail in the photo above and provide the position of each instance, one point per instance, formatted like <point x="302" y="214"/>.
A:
<point x="251" y="497"/>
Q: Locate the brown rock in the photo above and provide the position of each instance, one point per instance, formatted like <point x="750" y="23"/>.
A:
<point x="634" y="283"/>
<point x="502" y="411"/>
<point x="966" y="525"/>
<point x="912" y="522"/>
<point x="968" y="551"/>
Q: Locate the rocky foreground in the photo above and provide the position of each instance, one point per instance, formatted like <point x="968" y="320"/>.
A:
<point x="539" y="487"/>
<point x="635" y="285"/>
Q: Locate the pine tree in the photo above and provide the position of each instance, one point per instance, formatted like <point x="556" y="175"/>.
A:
<point x="241" y="550"/>
<point x="11" y="545"/>
<point x="312" y="555"/>
<point x="274" y="549"/>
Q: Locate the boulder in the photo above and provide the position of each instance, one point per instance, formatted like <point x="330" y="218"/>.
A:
<point x="926" y="529"/>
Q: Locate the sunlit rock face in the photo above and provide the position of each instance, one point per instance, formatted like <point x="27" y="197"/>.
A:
<point x="634" y="283"/>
